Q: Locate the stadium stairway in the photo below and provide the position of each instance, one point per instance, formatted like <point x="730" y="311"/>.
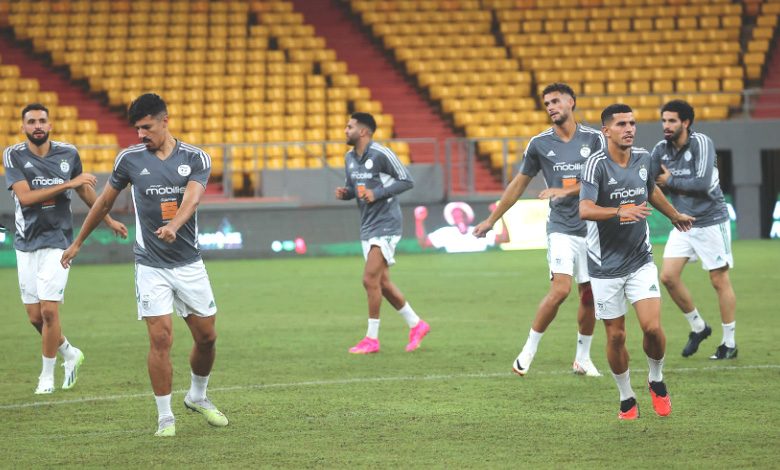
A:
<point x="768" y="104"/>
<point x="413" y="116"/>
<point x="68" y="93"/>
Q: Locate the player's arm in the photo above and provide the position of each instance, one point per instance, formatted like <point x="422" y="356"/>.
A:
<point x="682" y="222"/>
<point x="346" y="192"/>
<point x="555" y="193"/>
<point x="511" y="194"/>
<point x="28" y="197"/>
<point x="99" y="210"/>
<point x="402" y="179"/>
<point x="189" y="204"/>
<point x="89" y="196"/>
<point x="701" y="180"/>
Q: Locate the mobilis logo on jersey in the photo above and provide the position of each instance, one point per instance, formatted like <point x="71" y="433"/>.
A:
<point x="159" y="190"/>
<point x="39" y="181"/>
<point x="627" y="194"/>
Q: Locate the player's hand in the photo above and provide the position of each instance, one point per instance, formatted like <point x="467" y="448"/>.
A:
<point x="482" y="229"/>
<point x="68" y="255"/>
<point x="552" y="193"/>
<point x="118" y="228"/>
<point x="635" y="213"/>
<point x="368" y="196"/>
<point x="82" y="179"/>
<point x="683" y="222"/>
<point x="420" y="213"/>
<point x="660" y="180"/>
<point x="166" y="233"/>
<point x="341" y="193"/>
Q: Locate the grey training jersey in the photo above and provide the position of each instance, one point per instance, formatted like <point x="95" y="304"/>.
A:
<point x="561" y="163"/>
<point x="48" y="224"/>
<point x="617" y="246"/>
<point x="694" y="184"/>
<point x="379" y="170"/>
<point x="158" y="189"/>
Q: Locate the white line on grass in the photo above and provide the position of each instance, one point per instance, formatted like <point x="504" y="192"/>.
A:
<point x="402" y="378"/>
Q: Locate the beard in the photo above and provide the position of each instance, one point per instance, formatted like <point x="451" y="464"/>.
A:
<point x="673" y="136"/>
<point x="38" y="141"/>
<point x="351" y="141"/>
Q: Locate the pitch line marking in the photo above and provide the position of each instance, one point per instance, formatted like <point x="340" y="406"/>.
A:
<point x="310" y="383"/>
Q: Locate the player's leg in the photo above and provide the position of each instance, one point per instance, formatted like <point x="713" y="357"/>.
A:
<point x="586" y="313"/>
<point x="618" y="360"/>
<point x="727" y="301"/>
<point x="160" y="329"/>
<point x="202" y="358"/>
<point x="418" y="328"/>
<point x="560" y="285"/>
<point x="642" y="291"/>
<point x="714" y="249"/>
<point x="372" y="283"/>
<point x="679" y="250"/>
<point x="52" y="280"/>
<point x="34" y="315"/>
<point x="586" y="322"/>
<point x="154" y="293"/>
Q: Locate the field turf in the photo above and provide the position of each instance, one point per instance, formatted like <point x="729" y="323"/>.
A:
<point x="296" y="399"/>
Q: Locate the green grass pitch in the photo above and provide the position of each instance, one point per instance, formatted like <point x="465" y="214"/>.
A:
<point x="295" y="398"/>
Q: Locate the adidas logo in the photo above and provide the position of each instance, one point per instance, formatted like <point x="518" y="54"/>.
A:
<point x="28" y="165"/>
<point x="550" y="153"/>
<point x="212" y="304"/>
<point x="612" y="181"/>
<point x="144" y="172"/>
<point x="653" y="288"/>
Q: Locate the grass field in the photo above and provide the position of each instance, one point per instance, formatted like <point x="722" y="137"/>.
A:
<point x="296" y="399"/>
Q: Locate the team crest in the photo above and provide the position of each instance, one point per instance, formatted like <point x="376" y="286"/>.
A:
<point x="585" y="152"/>
<point x="64" y="167"/>
<point x="687" y="156"/>
<point x="369" y="164"/>
<point x="184" y="170"/>
<point x="643" y="173"/>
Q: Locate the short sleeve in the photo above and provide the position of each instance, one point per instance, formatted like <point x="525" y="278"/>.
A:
<point x="591" y="175"/>
<point x="530" y="164"/>
<point x="13" y="172"/>
<point x="200" y="165"/>
<point x="77" y="167"/>
<point x="120" y="176"/>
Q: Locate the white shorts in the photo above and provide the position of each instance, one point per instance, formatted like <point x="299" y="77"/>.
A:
<point x="610" y="295"/>
<point x="712" y="245"/>
<point x="186" y="289"/>
<point x="386" y="244"/>
<point x="568" y="254"/>
<point x="41" y="276"/>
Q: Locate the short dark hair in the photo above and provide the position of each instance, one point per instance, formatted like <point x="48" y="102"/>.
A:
<point x="682" y="108"/>
<point x="365" y="119"/>
<point x="148" y="104"/>
<point x="611" y="110"/>
<point x="34" y="107"/>
<point x="560" y="88"/>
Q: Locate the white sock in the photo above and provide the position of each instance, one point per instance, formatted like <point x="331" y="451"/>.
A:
<point x="163" y="407"/>
<point x="728" y="334"/>
<point x="624" y="385"/>
<point x="695" y="320"/>
<point x="373" y="328"/>
<point x="532" y="343"/>
<point x="408" y="313"/>
<point x="47" y="371"/>
<point x="583" y="346"/>
<point x="656" y="367"/>
<point x="67" y="350"/>
<point x="198" y="387"/>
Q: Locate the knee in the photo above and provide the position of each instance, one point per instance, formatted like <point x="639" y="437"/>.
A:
<point x="48" y="315"/>
<point x="206" y="341"/>
<point x="586" y="296"/>
<point x="161" y="342"/>
<point x="616" y="339"/>
<point x="653" y="331"/>
<point x="558" y="294"/>
<point x="670" y="280"/>
<point x="370" y="282"/>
